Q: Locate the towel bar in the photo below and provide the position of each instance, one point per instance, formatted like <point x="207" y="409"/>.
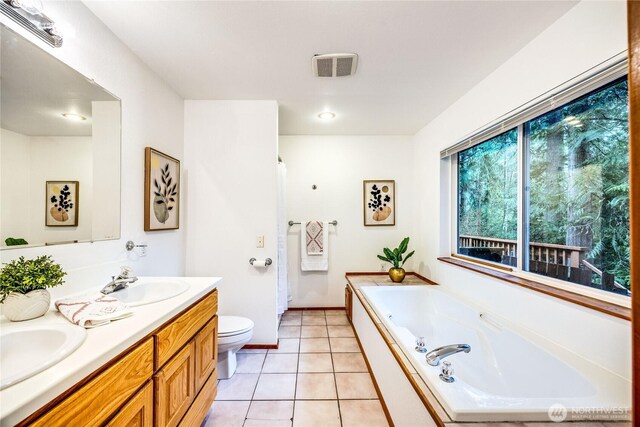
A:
<point x="334" y="222"/>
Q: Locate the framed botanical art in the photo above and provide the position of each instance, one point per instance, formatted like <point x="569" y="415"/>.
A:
<point x="379" y="202"/>
<point x="61" y="204"/>
<point x="161" y="191"/>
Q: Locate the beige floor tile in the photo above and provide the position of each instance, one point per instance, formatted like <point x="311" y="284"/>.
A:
<point x="291" y="313"/>
<point x="249" y="363"/>
<point x="238" y="387"/>
<point x="291" y="321"/>
<point x="318" y="413"/>
<point x="253" y="350"/>
<point x="337" y="320"/>
<point x="340" y="312"/>
<point x="280" y="364"/>
<point x="313" y="313"/>
<point x="316" y="386"/>
<point x="362" y="413"/>
<point x="314" y="321"/>
<point x="289" y="332"/>
<point x="314" y="331"/>
<point x="271" y="410"/>
<point x="266" y="423"/>
<point x="315" y="362"/>
<point x="228" y="414"/>
<point x="349" y="362"/>
<point x="314" y="345"/>
<point x="344" y="345"/>
<point x="275" y="387"/>
<point x="340" y="331"/>
<point x="286" y="345"/>
<point x="355" y="386"/>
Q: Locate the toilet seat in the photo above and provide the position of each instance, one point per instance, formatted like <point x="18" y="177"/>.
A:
<point x="233" y="325"/>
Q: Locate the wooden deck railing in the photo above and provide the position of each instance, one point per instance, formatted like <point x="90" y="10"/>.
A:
<point x="558" y="261"/>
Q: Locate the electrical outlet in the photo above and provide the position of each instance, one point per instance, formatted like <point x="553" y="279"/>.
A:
<point x="383" y="267"/>
<point x="260" y="242"/>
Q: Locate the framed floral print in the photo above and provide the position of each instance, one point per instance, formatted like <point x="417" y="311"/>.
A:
<point x="61" y="204"/>
<point x="161" y="191"/>
<point x="379" y="202"/>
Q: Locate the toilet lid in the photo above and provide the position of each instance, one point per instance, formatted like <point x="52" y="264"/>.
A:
<point x="233" y="325"/>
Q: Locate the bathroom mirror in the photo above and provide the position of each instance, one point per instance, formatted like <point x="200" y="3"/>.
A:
<point x="59" y="151"/>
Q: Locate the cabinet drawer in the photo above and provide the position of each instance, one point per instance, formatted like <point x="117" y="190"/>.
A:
<point x="206" y="352"/>
<point x="180" y="331"/>
<point x="95" y="402"/>
<point x="138" y="412"/>
<point x="175" y="387"/>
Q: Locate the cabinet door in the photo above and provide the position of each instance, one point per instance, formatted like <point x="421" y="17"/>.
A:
<point x="138" y="412"/>
<point x="175" y="387"/>
<point x="206" y="352"/>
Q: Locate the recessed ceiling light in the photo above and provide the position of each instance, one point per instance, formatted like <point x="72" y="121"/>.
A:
<point x="326" y="115"/>
<point x="74" y="117"/>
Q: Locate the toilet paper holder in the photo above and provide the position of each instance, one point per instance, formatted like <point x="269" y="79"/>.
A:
<point x="266" y="261"/>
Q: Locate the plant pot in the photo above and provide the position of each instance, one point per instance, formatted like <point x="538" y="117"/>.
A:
<point x="396" y="274"/>
<point x="19" y="307"/>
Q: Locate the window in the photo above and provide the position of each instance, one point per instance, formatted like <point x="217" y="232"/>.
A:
<point x="575" y="193"/>
<point x="488" y="199"/>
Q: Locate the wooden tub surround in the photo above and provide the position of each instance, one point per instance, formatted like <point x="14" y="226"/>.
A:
<point x="357" y="280"/>
<point x="168" y="377"/>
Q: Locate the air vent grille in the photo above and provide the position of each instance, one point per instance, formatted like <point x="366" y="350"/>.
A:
<point x="334" y="64"/>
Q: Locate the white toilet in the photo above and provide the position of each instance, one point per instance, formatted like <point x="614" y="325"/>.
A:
<point x="233" y="333"/>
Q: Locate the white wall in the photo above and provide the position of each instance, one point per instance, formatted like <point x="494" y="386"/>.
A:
<point x="587" y="35"/>
<point x="338" y="165"/>
<point x="14" y="184"/>
<point x="230" y="171"/>
<point x="151" y="116"/>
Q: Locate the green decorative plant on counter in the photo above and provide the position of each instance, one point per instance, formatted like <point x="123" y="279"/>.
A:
<point x="23" y="286"/>
<point x="397" y="258"/>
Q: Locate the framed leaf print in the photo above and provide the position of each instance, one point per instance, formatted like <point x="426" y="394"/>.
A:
<point x="379" y="202"/>
<point x="161" y="191"/>
<point x="61" y="204"/>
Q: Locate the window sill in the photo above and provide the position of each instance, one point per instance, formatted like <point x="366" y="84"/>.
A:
<point x="582" y="300"/>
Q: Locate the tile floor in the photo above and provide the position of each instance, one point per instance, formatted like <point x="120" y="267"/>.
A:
<point x="317" y="377"/>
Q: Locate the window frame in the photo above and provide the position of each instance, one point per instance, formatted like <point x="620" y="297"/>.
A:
<point x="570" y="93"/>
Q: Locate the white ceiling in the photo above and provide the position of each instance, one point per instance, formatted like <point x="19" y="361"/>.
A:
<point x="37" y="88"/>
<point x="416" y="58"/>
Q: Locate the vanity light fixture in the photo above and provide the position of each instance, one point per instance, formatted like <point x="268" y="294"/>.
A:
<point x="28" y="13"/>
<point x="326" y="115"/>
<point x="74" y="117"/>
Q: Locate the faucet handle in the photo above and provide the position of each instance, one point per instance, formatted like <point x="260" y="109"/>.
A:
<point x="420" y="345"/>
<point x="125" y="270"/>
<point x="446" y="374"/>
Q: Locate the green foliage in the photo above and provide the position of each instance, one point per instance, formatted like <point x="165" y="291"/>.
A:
<point x="396" y="256"/>
<point x="24" y="276"/>
<point x="13" y="241"/>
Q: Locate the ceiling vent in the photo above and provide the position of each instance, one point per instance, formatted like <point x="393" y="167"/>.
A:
<point x="334" y="64"/>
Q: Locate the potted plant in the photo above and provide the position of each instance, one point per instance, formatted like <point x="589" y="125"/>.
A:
<point x="397" y="258"/>
<point x="23" y="286"/>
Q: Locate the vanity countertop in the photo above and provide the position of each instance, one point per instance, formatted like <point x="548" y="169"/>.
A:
<point x="382" y="279"/>
<point x="101" y="345"/>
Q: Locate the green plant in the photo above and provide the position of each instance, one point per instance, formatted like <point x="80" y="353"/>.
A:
<point x="396" y="256"/>
<point x="24" y="276"/>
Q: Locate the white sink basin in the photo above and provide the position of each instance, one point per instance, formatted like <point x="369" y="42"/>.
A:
<point x="26" y="350"/>
<point x="150" y="292"/>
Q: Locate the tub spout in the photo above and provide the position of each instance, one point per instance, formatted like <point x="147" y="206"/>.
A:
<point x="434" y="356"/>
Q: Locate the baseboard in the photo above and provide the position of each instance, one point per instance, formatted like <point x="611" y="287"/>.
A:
<point x="261" y="346"/>
<point x="314" y="308"/>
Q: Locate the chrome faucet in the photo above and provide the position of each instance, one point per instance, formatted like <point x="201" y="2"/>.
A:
<point x="434" y="356"/>
<point x="120" y="282"/>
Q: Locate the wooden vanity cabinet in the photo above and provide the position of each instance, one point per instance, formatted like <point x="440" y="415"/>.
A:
<point x="169" y="378"/>
<point x="348" y="302"/>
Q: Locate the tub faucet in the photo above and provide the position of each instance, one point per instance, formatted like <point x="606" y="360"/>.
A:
<point x="434" y="356"/>
<point x="120" y="282"/>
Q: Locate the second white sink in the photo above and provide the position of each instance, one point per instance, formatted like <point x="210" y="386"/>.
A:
<point x="29" y="349"/>
<point x="150" y="292"/>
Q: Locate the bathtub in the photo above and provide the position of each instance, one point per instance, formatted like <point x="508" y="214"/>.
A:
<point x="510" y="374"/>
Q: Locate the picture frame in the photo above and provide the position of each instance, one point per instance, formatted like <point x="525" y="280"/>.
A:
<point x="62" y="204"/>
<point x="379" y="202"/>
<point x="161" y="191"/>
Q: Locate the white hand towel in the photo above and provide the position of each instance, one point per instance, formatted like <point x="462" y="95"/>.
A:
<point x="90" y="311"/>
<point x="319" y="262"/>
